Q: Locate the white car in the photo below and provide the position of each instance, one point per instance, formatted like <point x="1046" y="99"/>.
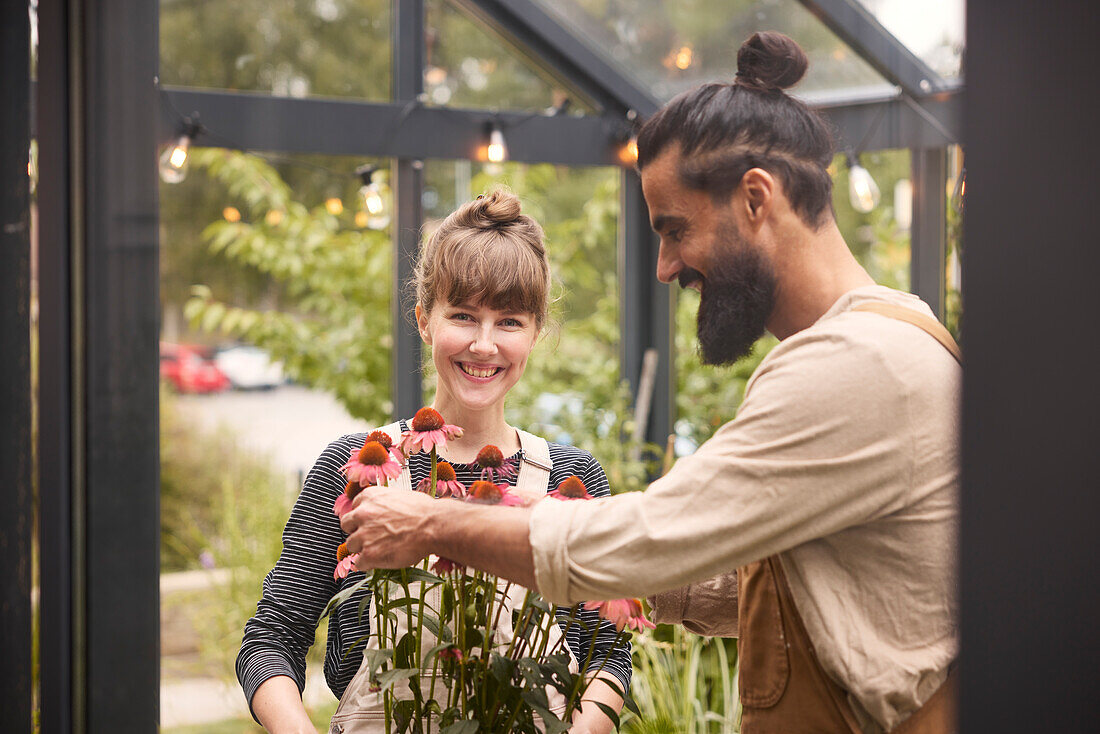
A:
<point x="249" y="368"/>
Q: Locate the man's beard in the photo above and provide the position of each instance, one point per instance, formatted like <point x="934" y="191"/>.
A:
<point x="738" y="296"/>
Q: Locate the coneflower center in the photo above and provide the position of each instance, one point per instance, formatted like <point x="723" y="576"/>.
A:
<point x="427" y="419"/>
<point x="444" y="472"/>
<point x="381" y="437"/>
<point x="573" y="487"/>
<point x="373" y="453"/>
<point x="490" y="456"/>
<point x="342" y="552"/>
<point x="488" y="492"/>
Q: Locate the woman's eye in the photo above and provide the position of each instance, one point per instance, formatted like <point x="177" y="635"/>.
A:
<point x="513" y="323"/>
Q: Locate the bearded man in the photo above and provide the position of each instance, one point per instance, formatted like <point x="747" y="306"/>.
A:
<point x="820" y="524"/>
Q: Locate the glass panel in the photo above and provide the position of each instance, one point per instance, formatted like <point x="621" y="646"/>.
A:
<point x="934" y="30"/>
<point x="570" y="391"/>
<point x="288" y="48"/>
<point x="467" y="66"/>
<point x="672" y="46"/>
<point x="275" y="340"/>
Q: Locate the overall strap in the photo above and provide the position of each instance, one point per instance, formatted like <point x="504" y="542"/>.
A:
<point x="534" y="465"/>
<point x="403" y="481"/>
<point x="929" y="325"/>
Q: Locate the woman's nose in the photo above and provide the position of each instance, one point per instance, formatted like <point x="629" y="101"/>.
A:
<point x="484" y="342"/>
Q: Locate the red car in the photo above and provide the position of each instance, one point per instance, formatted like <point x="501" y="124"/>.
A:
<point x="187" y="370"/>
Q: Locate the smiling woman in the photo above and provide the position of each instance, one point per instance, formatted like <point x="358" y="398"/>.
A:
<point x="482" y="289"/>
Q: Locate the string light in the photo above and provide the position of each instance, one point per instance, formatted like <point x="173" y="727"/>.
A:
<point x="334" y="205"/>
<point x="274" y="217"/>
<point x="958" y="197"/>
<point x="231" y="214"/>
<point x="497" y="150"/>
<point x="628" y="152"/>
<point x="862" y="190"/>
<point x="174" y="159"/>
<point x="373" y="194"/>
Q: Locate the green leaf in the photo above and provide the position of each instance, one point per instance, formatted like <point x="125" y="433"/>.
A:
<point x="461" y="727"/>
<point x="608" y="712"/>
<point x="390" y="677"/>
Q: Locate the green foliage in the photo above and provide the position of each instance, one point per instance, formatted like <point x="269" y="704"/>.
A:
<point x="684" y="684"/>
<point x="335" y="331"/>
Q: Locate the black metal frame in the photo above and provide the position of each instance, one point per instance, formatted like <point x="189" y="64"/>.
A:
<point x="17" y="498"/>
<point x="99" y="466"/>
<point x="99" y="330"/>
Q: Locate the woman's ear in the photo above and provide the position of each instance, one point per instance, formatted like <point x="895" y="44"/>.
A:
<point x="422" y="325"/>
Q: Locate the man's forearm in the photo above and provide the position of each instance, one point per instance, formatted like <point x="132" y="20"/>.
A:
<point x="492" y="539"/>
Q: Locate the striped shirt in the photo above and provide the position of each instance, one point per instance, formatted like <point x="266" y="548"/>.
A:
<point x="297" y="589"/>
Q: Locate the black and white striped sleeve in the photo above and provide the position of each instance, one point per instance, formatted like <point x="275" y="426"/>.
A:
<point x="612" y="658"/>
<point x="297" y="589"/>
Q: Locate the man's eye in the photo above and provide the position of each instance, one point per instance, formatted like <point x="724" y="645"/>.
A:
<point x="461" y="317"/>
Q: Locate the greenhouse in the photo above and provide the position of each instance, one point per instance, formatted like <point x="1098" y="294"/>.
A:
<point x="213" y="214"/>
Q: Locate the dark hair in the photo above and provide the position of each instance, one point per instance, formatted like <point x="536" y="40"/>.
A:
<point x="724" y="130"/>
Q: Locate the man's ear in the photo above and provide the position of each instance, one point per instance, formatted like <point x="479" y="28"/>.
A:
<point x="422" y="325"/>
<point x="756" y="194"/>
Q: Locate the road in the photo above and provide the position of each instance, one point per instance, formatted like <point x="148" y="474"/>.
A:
<point x="292" y="424"/>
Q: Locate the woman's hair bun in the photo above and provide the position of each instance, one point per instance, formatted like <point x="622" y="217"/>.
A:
<point x="498" y="207"/>
<point x="770" y="60"/>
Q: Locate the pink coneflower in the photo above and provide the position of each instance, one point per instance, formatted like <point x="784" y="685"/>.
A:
<point x="492" y="463"/>
<point x="343" y="502"/>
<point x="622" y="613"/>
<point x="450" y="653"/>
<point x="345" y="562"/>
<point x="571" y="488"/>
<point x="427" y="431"/>
<point x="444" y="566"/>
<point x="487" y="493"/>
<point x="446" y="482"/>
<point x="372" y="464"/>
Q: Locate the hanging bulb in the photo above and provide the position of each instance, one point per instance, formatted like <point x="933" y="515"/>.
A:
<point x="862" y="189"/>
<point x="373" y="195"/>
<point x="628" y="152"/>
<point x="958" y="197"/>
<point x="334" y="205"/>
<point x="175" y="158"/>
<point x="497" y="152"/>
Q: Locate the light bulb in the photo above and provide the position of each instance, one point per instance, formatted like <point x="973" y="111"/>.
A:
<point x="334" y="205"/>
<point x="958" y="197"/>
<point x="174" y="160"/>
<point x="372" y="199"/>
<point x="628" y="153"/>
<point x="497" y="152"/>
<point x="862" y="189"/>
<point x="903" y="204"/>
<point x="231" y="214"/>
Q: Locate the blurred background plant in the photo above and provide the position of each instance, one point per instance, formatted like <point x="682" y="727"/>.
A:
<point x="684" y="684"/>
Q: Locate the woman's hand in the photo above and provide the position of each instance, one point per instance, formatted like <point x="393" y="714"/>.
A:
<point x="388" y="527"/>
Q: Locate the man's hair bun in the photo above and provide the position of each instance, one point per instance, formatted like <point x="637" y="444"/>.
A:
<point x="497" y="208"/>
<point x="769" y="61"/>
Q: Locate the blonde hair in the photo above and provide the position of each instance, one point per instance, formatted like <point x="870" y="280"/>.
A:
<point x="486" y="252"/>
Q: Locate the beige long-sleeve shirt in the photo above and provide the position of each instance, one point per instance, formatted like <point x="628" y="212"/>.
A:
<point x="843" y="459"/>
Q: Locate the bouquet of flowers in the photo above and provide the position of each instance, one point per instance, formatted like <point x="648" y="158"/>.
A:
<point x="462" y="650"/>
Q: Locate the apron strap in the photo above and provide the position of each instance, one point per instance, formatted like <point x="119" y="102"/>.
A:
<point x="403" y="481"/>
<point x="929" y="325"/>
<point x="534" y="466"/>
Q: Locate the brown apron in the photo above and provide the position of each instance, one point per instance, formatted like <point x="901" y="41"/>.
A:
<point x="361" y="709"/>
<point x="783" y="688"/>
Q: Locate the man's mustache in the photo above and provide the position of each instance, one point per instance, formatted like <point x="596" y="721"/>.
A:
<point x="688" y="276"/>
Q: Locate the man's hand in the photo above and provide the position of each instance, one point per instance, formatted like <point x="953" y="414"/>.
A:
<point x="388" y="527"/>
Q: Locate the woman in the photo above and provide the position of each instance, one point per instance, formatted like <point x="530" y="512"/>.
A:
<point x="482" y="291"/>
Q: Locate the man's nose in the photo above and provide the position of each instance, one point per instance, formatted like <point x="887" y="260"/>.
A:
<point x="668" y="266"/>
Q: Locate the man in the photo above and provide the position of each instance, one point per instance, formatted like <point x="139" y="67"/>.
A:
<point x="834" y="489"/>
